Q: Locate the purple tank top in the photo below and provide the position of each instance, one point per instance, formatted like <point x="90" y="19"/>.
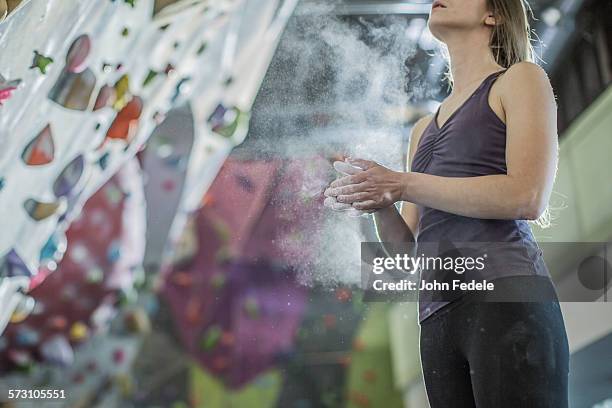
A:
<point x="472" y="142"/>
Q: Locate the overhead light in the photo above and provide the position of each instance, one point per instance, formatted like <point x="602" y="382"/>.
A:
<point x="551" y="16"/>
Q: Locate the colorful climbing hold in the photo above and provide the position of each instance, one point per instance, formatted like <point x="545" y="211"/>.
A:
<point x="226" y="121"/>
<point x="41" y="62"/>
<point x="24" y="308"/>
<point x="77" y="54"/>
<point x="95" y="275"/>
<point x="137" y="321"/>
<point x="125" y="125"/>
<point x="211" y="337"/>
<point x="122" y="92"/>
<point x="149" y="78"/>
<point x="106" y="97"/>
<point x="57" y="322"/>
<point x="41" y="149"/>
<point x="7" y="88"/>
<point x="73" y="91"/>
<point x="103" y="160"/>
<point x="39" y="210"/>
<point x="118" y="356"/>
<point x="26" y="336"/>
<point x="113" y="252"/>
<point x="69" y="177"/>
<point x="79" y="331"/>
<point x="53" y="250"/>
<point x="158" y="117"/>
<point x="13" y="265"/>
<point x="181" y="88"/>
<point x="169" y="70"/>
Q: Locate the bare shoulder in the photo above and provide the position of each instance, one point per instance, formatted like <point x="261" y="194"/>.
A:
<point x="524" y="77"/>
<point x="526" y="70"/>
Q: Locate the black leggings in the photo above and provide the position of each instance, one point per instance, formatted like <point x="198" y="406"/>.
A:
<point x="497" y="354"/>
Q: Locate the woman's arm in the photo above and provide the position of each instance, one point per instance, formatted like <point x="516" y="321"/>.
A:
<point x="394" y="226"/>
<point x="531" y="157"/>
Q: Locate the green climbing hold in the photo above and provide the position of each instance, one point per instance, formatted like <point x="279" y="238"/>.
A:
<point x="149" y="78"/>
<point x="211" y="338"/>
<point x="41" y="62"/>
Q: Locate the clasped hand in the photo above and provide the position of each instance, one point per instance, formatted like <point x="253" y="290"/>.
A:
<point x="369" y="190"/>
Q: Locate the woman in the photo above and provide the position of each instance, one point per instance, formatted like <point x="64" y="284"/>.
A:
<point x="481" y="167"/>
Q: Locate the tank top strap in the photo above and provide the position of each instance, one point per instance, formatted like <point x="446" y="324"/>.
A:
<point x="488" y="83"/>
<point x="485" y="89"/>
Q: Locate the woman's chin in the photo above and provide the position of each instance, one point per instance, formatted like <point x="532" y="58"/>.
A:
<point x="441" y="28"/>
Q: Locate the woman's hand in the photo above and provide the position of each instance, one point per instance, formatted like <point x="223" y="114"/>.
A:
<point x="346" y="169"/>
<point x="372" y="189"/>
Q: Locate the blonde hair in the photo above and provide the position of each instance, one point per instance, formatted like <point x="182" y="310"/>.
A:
<point x="511" y="36"/>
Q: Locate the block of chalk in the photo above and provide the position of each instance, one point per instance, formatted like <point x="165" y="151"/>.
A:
<point x="346" y="168"/>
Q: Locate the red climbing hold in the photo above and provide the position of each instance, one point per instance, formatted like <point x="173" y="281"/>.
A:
<point x="125" y="125"/>
<point x="41" y="149"/>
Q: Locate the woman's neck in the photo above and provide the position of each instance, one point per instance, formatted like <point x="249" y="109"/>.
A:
<point x="470" y="60"/>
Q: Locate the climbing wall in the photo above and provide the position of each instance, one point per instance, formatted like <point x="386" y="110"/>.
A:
<point x="83" y="86"/>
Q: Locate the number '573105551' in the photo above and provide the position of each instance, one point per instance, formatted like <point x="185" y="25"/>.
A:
<point x="36" y="394"/>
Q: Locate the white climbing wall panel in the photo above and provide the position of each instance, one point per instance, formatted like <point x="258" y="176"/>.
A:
<point x="83" y="85"/>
